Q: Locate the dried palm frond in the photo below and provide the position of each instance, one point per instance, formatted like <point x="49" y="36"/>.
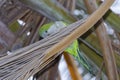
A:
<point x="27" y="61"/>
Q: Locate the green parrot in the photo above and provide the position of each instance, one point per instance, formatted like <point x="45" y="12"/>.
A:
<point x="73" y="49"/>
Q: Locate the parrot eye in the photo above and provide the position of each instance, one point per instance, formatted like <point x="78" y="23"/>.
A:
<point x="46" y="31"/>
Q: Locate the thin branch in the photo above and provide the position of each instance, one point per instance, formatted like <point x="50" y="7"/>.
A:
<point x="100" y="71"/>
<point x="36" y="33"/>
<point x="90" y="46"/>
<point x="72" y="67"/>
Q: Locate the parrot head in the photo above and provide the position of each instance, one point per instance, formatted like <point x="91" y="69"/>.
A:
<point x="51" y="28"/>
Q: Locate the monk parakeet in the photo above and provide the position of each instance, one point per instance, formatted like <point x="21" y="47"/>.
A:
<point x="73" y="49"/>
